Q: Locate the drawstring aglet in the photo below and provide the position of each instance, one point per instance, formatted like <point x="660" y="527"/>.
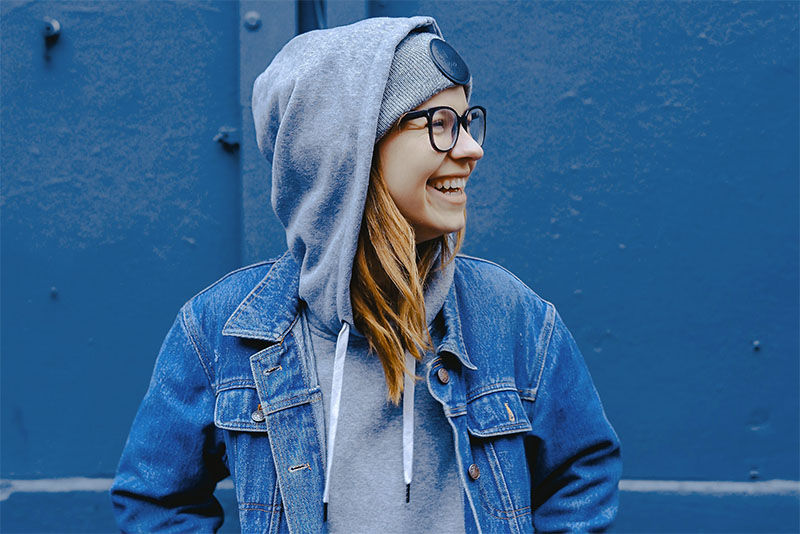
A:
<point x="408" y="492"/>
<point x="324" y="512"/>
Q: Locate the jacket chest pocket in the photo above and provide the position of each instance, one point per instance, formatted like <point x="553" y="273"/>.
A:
<point x="498" y="425"/>
<point x="237" y="410"/>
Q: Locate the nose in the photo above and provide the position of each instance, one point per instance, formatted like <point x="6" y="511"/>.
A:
<point x="466" y="147"/>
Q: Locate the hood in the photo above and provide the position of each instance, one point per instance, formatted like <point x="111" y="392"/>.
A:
<point x="316" y="114"/>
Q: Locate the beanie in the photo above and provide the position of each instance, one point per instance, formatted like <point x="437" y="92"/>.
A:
<point x="423" y="65"/>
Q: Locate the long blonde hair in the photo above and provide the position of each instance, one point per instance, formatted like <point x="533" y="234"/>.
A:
<point x="389" y="273"/>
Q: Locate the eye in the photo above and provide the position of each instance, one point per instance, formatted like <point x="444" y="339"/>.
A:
<point x="442" y="121"/>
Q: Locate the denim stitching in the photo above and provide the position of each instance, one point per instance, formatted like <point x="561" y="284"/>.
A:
<point x="233" y="425"/>
<point x="240" y="269"/>
<point x="458" y="329"/>
<point x="255" y="507"/>
<point x="456" y="411"/>
<point x="494" y="465"/>
<point x="236" y="383"/>
<point x="277" y="505"/>
<point x="549" y="326"/>
<point x="489" y="262"/>
<point x="288" y="331"/>
<point x="306" y="398"/>
<point x="186" y="310"/>
<point x="479" y="392"/>
<point x="502" y="514"/>
<point x="549" y="319"/>
<point x="506" y="515"/>
<point x="252" y="295"/>
<point x="501" y="430"/>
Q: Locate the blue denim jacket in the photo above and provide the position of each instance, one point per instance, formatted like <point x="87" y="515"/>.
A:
<point x="235" y="392"/>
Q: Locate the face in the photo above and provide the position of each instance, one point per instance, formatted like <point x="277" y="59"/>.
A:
<point x="413" y="170"/>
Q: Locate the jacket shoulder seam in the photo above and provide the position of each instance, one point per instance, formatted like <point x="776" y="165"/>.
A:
<point x="545" y="334"/>
<point x="187" y="322"/>
<point x="514" y="276"/>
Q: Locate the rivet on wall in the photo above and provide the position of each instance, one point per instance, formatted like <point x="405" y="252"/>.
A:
<point x="252" y="20"/>
<point x="52" y="29"/>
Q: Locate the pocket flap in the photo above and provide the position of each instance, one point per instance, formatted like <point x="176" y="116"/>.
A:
<point x="497" y="413"/>
<point x="239" y="409"/>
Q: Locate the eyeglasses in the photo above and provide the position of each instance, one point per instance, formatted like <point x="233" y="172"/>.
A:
<point x="444" y="125"/>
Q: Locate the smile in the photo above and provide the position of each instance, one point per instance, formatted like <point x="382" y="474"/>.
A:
<point x="448" y="185"/>
<point x="449" y="190"/>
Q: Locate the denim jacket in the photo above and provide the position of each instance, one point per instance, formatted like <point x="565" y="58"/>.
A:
<point x="234" y="393"/>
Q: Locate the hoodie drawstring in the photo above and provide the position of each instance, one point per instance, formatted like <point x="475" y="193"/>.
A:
<point x="336" y="396"/>
<point x="408" y="422"/>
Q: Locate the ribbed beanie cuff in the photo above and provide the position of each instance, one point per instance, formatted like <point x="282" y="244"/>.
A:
<point x="413" y="79"/>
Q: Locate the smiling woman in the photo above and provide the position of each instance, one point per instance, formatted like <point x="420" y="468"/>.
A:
<point x="371" y="354"/>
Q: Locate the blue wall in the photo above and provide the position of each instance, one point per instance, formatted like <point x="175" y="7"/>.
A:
<point x="641" y="172"/>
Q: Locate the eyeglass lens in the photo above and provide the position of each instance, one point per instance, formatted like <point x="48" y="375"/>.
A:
<point x="445" y="125"/>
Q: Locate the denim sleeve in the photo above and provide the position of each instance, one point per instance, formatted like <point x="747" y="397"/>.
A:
<point x="173" y="457"/>
<point x="575" y="453"/>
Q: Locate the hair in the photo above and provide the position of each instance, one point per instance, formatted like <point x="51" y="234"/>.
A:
<point x="387" y="287"/>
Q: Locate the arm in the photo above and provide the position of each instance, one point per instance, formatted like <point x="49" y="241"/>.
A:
<point x="575" y="460"/>
<point x="173" y="457"/>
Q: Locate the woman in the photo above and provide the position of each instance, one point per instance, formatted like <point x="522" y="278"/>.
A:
<point x="369" y="380"/>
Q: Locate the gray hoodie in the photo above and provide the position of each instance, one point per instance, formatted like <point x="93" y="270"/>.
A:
<point x="316" y="113"/>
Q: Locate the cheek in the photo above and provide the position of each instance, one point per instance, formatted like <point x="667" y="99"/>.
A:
<point x="409" y="192"/>
<point x="405" y="178"/>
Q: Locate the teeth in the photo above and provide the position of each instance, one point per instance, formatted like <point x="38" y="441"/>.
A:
<point x="450" y="183"/>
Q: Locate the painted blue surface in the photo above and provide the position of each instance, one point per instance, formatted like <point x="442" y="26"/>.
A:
<point x="638" y="154"/>
<point x="117" y="206"/>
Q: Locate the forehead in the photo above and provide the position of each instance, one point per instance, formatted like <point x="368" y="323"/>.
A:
<point x="454" y="97"/>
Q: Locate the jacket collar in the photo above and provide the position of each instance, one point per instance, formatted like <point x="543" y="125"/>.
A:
<point x="270" y="309"/>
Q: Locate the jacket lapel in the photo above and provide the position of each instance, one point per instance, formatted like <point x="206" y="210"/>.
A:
<point x="288" y="400"/>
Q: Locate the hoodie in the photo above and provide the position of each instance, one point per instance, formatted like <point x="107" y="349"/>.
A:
<point x="316" y="115"/>
<point x="316" y="111"/>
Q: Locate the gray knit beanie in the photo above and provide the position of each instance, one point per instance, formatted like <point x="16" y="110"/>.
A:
<point x="423" y="65"/>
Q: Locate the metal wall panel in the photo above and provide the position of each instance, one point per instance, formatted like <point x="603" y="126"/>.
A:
<point x="117" y="206"/>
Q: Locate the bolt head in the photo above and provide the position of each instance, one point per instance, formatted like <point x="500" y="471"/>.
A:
<point x="252" y="20"/>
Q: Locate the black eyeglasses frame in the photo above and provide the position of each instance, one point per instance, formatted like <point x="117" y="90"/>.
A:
<point x="462" y="121"/>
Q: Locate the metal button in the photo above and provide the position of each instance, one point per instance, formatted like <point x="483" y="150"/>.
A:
<point x="474" y="472"/>
<point x="257" y="416"/>
<point x="443" y="375"/>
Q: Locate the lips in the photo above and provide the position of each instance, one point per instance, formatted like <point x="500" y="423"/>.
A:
<point x="450" y="196"/>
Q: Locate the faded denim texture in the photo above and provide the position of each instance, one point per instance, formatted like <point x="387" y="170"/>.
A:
<point x="235" y="391"/>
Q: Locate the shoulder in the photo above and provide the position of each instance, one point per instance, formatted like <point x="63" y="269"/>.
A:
<point x="488" y="281"/>
<point x="506" y="326"/>
<point x="212" y="306"/>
